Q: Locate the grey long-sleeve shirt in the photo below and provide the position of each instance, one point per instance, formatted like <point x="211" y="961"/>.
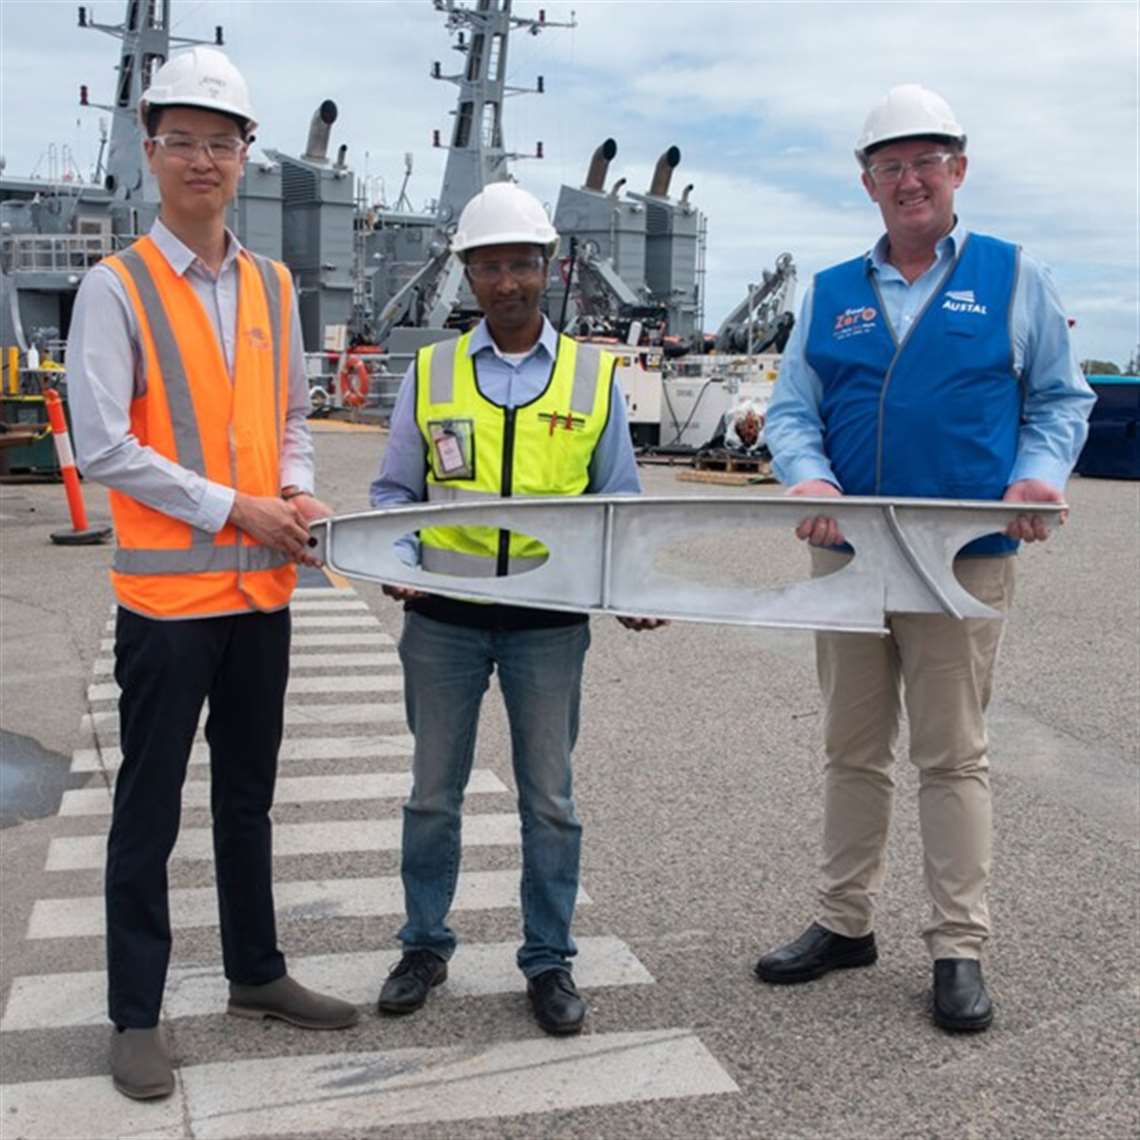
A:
<point x="105" y="372"/>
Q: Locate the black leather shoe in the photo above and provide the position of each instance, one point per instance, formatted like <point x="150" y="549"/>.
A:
<point x="816" y="952"/>
<point x="557" y="1006"/>
<point x="961" y="1004"/>
<point x="410" y="981"/>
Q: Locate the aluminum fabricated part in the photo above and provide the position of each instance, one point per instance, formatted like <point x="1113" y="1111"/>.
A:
<point x="604" y="552"/>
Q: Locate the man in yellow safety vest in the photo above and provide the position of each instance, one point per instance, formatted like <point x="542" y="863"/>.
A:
<point x="511" y="408"/>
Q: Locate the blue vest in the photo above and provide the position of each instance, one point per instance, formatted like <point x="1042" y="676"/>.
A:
<point x="937" y="415"/>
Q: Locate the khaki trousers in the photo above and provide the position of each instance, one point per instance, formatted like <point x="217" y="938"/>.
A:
<point x="942" y="668"/>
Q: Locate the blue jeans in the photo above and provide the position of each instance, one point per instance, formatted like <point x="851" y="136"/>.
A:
<point x="447" y="668"/>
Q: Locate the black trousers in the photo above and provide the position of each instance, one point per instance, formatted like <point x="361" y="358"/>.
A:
<point x="166" y="671"/>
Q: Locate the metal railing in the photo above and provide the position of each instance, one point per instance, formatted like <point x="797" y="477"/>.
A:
<point x="54" y="253"/>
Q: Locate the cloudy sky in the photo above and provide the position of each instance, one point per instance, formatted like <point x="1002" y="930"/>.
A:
<point x="763" y="99"/>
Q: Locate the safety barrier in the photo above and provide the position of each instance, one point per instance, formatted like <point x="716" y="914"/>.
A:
<point x="81" y="534"/>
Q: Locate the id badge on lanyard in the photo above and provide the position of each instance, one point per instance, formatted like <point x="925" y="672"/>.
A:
<point x="452" y="448"/>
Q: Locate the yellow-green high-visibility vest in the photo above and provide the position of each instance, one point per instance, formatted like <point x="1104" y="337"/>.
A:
<point x="477" y="449"/>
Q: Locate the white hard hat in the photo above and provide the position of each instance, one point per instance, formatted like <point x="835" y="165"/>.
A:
<point x="503" y="214"/>
<point x="909" y="111"/>
<point x="201" y="77"/>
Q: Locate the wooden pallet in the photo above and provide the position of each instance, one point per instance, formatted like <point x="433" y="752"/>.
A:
<point x="651" y="459"/>
<point x="726" y="461"/>
<point x="725" y="478"/>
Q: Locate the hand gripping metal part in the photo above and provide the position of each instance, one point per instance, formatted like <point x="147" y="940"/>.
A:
<point x="604" y="554"/>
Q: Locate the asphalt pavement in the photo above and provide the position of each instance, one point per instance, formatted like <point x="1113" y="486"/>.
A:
<point x="698" y="781"/>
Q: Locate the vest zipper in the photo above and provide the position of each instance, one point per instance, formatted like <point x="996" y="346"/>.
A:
<point x="899" y="346"/>
<point x="503" y="563"/>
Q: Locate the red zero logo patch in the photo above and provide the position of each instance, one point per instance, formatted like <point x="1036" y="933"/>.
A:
<point x="854" y="322"/>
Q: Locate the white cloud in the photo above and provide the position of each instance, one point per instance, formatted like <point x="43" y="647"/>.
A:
<point x="764" y="100"/>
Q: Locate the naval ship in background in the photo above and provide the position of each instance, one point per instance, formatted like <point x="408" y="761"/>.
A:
<point x="375" y="281"/>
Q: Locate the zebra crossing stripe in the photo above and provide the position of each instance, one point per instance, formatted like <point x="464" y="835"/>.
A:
<point x="333" y="621"/>
<point x="298" y="662"/>
<point x="340" y="683"/>
<point x="353" y="1093"/>
<point x="362" y="617"/>
<point x="53" y="1001"/>
<point x="329" y="605"/>
<point x="291" y="790"/>
<point x="331" y="640"/>
<point x="190" y="907"/>
<point x="105" y="725"/>
<point x="110" y="757"/>
<point x="88" y="852"/>
<point x="361" y="637"/>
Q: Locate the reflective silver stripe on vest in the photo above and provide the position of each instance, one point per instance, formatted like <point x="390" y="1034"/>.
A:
<point x="187" y="439"/>
<point x="439" y="561"/>
<point x="446" y="493"/>
<point x="197" y="559"/>
<point x="271" y="283"/>
<point x="587" y="361"/>
<point x="442" y="385"/>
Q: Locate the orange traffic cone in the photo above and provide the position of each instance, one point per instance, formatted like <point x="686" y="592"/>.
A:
<point x="80" y="534"/>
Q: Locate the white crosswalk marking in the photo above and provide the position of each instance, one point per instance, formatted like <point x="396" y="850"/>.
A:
<point x="106" y="724"/>
<point x="333" y="621"/>
<point x="311" y="640"/>
<point x="344" y="704"/>
<point x="51" y="1001"/>
<point x="88" y="852"/>
<point x="349" y="1093"/>
<point x="329" y="640"/>
<point x="110" y="756"/>
<point x="329" y="605"/>
<point x="301" y="899"/>
<point x="299" y="662"/>
<point x="299" y="748"/>
<point x="291" y="790"/>
<point x="341" y="683"/>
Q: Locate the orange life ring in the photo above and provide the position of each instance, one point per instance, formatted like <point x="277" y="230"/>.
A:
<point x="354" y="382"/>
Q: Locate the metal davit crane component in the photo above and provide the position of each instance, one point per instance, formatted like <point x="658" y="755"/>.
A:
<point x="763" y="320"/>
<point x="604" y="556"/>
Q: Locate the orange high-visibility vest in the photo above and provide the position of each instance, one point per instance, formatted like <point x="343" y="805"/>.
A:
<point x="228" y="431"/>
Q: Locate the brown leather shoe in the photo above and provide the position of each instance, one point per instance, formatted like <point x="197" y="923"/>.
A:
<point x="288" y="1000"/>
<point x="140" y="1064"/>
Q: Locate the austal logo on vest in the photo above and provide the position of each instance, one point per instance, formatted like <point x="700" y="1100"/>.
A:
<point x="962" y="301"/>
<point x="257" y="337"/>
<point x="854" y="322"/>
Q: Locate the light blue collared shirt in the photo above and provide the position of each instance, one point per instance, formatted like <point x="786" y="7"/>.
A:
<point x="403" y="470"/>
<point x="105" y="372"/>
<point x="1057" y="396"/>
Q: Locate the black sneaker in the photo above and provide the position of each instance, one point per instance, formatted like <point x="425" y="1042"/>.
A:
<point x="410" y="980"/>
<point x="558" y="1008"/>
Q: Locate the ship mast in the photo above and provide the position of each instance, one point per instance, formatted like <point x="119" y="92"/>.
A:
<point x="146" y="39"/>
<point x="476" y="154"/>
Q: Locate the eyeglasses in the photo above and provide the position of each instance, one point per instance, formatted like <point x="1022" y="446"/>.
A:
<point x="520" y="268"/>
<point x="221" y="148"/>
<point x="924" y="166"/>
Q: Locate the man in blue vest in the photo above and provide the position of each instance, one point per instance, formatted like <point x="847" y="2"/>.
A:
<point x="511" y="408"/>
<point x="936" y="365"/>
